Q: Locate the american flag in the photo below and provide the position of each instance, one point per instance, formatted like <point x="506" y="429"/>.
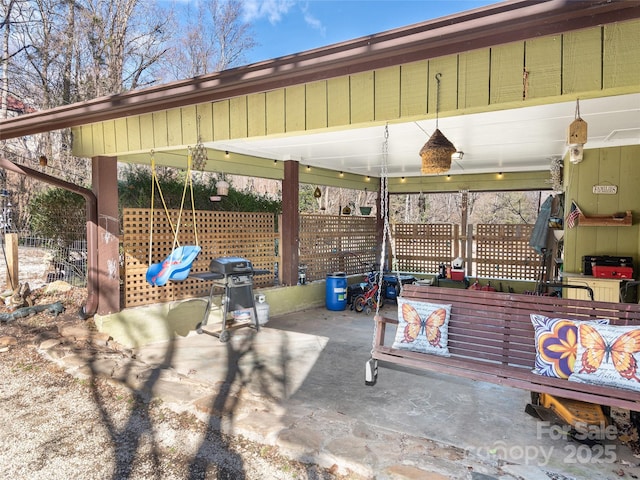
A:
<point x="572" y="216"/>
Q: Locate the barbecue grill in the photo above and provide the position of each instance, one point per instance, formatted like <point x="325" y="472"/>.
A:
<point x="235" y="276"/>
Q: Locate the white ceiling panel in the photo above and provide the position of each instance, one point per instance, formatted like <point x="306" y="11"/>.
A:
<point x="526" y="138"/>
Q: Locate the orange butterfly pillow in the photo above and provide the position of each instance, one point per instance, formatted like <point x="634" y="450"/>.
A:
<point x="556" y="342"/>
<point x="608" y="355"/>
<point x="423" y="327"/>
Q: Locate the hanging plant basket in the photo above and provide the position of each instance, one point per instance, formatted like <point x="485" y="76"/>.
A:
<point x="365" y="210"/>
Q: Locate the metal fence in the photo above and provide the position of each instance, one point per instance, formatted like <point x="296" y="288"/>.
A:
<point x="44" y="260"/>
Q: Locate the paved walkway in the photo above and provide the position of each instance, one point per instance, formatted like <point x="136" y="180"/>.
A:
<point x="299" y="384"/>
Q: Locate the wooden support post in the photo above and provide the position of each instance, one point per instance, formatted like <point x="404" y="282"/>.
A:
<point x="469" y="250"/>
<point x="290" y="223"/>
<point x="464" y="219"/>
<point x="11" y="251"/>
<point x="107" y="231"/>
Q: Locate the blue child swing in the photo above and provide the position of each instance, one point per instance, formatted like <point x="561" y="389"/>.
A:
<point x="177" y="265"/>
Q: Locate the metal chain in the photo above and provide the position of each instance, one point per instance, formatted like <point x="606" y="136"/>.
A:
<point x="438" y="76"/>
<point x="384" y="214"/>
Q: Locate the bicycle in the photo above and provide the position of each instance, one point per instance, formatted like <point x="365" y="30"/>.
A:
<point x="368" y="300"/>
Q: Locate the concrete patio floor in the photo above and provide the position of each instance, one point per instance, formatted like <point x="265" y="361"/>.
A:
<point x="298" y="383"/>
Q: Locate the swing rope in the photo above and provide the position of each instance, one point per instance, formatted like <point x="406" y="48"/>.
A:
<point x="187" y="183"/>
<point x="155" y="184"/>
<point x="177" y="265"/>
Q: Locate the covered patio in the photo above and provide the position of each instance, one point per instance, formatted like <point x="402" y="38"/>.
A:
<point x="501" y="82"/>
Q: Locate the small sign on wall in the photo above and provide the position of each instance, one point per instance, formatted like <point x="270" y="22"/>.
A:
<point x="605" y="189"/>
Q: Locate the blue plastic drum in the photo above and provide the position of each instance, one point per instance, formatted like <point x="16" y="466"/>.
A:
<point x="336" y="298"/>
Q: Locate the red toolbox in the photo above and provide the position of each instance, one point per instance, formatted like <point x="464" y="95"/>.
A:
<point x="612" y="272"/>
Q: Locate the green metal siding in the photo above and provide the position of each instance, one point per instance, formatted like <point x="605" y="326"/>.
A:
<point x="275" y="112"/>
<point x="621" y="52"/>
<point x="316" y="100"/>
<point x="295" y="118"/>
<point x="448" y="68"/>
<point x="238" y="125"/>
<point x="543" y="64"/>
<point x="387" y="93"/>
<point x="473" y="74"/>
<point x="606" y="166"/>
<point x="256" y="117"/>
<point x="338" y="101"/>
<point x="413" y="88"/>
<point x="582" y="61"/>
<point x="507" y="64"/>
<point x="361" y="99"/>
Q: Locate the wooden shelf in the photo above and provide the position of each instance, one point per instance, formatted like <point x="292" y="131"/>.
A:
<point x="616" y="220"/>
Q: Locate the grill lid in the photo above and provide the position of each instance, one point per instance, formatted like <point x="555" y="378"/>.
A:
<point x="230" y="265"/>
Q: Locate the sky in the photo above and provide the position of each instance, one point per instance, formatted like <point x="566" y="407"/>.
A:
<point x="283" y="27"/>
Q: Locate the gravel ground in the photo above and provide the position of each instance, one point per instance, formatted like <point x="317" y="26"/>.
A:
<point x="56" y="426"/>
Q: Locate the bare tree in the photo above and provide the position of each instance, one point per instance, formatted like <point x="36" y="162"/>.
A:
<point x="216" y="39"/>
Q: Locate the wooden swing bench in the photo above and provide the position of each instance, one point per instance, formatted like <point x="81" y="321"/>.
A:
<point x="491" y="339"/>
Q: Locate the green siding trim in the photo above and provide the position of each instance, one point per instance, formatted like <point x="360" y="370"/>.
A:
<point x="482" y="182"/>
<point x="331" y="178"/>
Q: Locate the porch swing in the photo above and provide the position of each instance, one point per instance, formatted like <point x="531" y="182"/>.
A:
<point x="177" y="265"/>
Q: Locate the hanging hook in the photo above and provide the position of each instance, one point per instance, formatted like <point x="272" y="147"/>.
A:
<point x="437" y="76"/>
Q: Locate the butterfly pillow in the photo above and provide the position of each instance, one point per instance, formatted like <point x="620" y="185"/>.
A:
<point x="556" y="342"/>
<point x="423" y="327"/>
<point x="608" y="355"/>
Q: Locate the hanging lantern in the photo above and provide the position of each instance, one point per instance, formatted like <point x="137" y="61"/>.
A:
<point x="317" y="193"/>
<point x="436" y="153"/>
<point x="222" y="188"/>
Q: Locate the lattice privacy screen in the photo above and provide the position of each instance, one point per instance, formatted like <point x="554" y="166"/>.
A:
<point x="337" y="243"/>
<point x="422" y="247"/>
<point x="503" y="251"/>
<point x="220" y="234"/>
